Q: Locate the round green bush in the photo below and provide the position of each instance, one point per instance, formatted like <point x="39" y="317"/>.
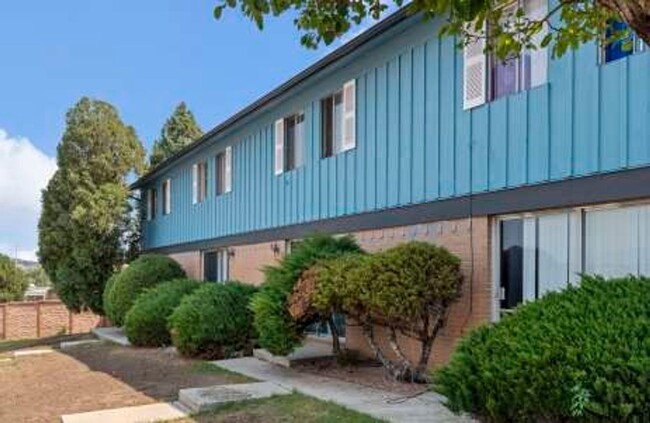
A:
<point x="146" y="322"/>
<point x="214" y="322"/>
<point x="579" y="355"/>
<point x="278" y="333"/>
<point x="124" y="287"/>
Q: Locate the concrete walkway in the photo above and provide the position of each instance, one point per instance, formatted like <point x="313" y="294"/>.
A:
<point x="112" y="334"/>
<point x="374" y="402"/>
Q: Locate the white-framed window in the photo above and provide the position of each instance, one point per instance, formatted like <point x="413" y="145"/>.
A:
<point x="623" y="42"/>
<point x="199" y="181"/>
<point x="216" y="265"/>
<point x="338" y="121"/>
<point x="289" y="143"/>
<point x="223" y="172"/>
<point x="167" y="196"/>
<point x="488" y="78"/>
<point x="152" y="202"/>
<point x="535" y="253"/>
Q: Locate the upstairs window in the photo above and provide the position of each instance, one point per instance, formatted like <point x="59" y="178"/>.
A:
<point x="289" y="143"/>
<point x="224" y="171"/>
<point x="151" y="203"/>
<point x="622" y="42"/>
<point x="338" y="121"/>
<point x="166" y="196"/>
<point x="487" y="77"/>
<point x="199" y="182"/>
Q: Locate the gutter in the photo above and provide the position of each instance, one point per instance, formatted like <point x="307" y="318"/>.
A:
<point x="341" y="52"/>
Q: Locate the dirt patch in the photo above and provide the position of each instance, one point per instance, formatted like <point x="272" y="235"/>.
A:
<point x="158" y="373"/>
<point x="365" y="372"/>
<point x="41" y="388"/>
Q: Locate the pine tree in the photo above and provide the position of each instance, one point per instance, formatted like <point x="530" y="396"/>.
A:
<point x="179" y="131"/>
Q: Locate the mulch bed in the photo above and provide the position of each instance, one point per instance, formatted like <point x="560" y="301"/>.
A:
<point x="364" y="372"/>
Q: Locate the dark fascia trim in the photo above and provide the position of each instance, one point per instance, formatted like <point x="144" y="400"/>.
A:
<point x="603" y="188"/>
<point x="375" y="30"/>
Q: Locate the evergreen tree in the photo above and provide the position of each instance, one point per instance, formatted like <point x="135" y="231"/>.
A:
<point x="86" y="211"/>
<point x="179" y="131"/>
<point x="13" y="282"/>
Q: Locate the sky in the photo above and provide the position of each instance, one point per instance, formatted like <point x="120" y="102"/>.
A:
<point x="144" y="57"/>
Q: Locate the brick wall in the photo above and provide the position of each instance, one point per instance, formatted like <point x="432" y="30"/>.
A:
<point x="38" y="319"/>
<point x="190" y="262"/>
<point x="469" y="239"/>
<point x="249" y="261"/>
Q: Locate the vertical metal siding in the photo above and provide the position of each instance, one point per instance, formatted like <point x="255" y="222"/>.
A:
<point x="414" y="141"/>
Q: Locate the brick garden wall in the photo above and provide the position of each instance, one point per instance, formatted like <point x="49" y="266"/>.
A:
<point x="39" y="319"/>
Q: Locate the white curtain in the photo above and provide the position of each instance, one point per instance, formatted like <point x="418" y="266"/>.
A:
<point x="612" y="241"/>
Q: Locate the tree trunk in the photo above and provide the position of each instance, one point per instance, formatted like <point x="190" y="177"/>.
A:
<point x="336" y="344"/>
<point x="404" y="370"/>
<point x="369" y="335"/>
<point x="635" y="12"/>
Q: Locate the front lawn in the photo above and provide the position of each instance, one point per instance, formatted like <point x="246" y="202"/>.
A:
<point x="294" y="408"/>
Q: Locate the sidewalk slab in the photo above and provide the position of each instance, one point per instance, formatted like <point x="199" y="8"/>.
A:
<point x="112" y="334"/>
<point x="138" y="414"/>
<point x="211" y="397"/>
<point x="378" y="403"/>
<point x="71" y="344"/>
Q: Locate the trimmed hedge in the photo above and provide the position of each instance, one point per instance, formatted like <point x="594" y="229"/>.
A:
<point x="278" y="333"/>
<point x="579" y="355"/>
<point x="214" y="322"/>
<point x="124" y="287"/>
<point x="146" y="322"/>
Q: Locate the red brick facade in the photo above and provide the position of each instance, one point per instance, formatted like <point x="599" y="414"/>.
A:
<point x="469" y="239"/>
<point x="39" y="319"/>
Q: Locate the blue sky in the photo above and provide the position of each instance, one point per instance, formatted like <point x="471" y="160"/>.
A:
<point x="143" y="57"/>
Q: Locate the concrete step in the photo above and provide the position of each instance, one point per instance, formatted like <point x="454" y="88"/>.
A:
<point x="201" y="399"/>
<point x="112" y="334"/>
<point x="161" y="411"/>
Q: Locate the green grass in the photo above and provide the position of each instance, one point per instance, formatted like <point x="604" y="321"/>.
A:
<point x="293" y="408"/>
<point x="205" y="367"/>
<point x="53" y="341"/>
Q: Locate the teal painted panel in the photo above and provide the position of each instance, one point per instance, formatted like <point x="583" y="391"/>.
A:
<point x="480" y="148"/>
<point x="561" y="119"/>
<point x="463" y="140"/>
<point x="415" y="142"/>
<point x="432" y="119"/>
<point x="382" y="136"/>
<point x="448" y="78"/>
<point x="369" y="180"/>
<point x="639" y="109"/>
<point x="405" y="127"/>
<point x="418" y="130"/>
<point x="613" y="151"/>
<point x="393" y="140"/>
<point x="585" y="127"/>
<point x="517" y="147"/>
<point x="497" y="162"/>
<point x="538" y="135"/>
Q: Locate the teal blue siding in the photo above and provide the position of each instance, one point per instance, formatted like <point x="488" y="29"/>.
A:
<point x="415" y="143"/>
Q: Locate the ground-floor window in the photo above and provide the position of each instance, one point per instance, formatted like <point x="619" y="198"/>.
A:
<point x="541" y="252"/>
<point x="216" y="266"/>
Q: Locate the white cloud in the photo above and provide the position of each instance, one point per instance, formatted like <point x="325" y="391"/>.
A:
<point x="24" y="172"/>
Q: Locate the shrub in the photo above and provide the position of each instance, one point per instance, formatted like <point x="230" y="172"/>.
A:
<point x="278" y="333"/>
<point x="407" y="289"/>
<point x="124" y="287"/>
<point x="214" y="322"/>
<point x="579" y="355"/>
<point x="146" y="321"/>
